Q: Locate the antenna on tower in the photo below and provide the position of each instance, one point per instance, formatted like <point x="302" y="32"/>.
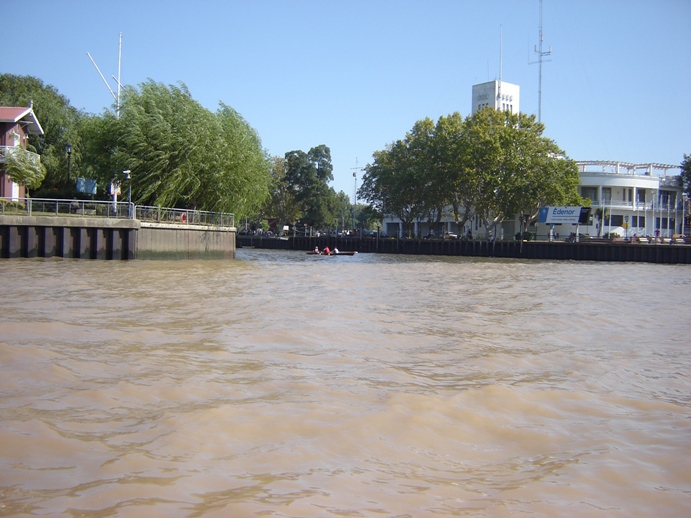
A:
<point x="500" y="67"/>
<point x="117" y="80"/>
<point x="541" y="54"/>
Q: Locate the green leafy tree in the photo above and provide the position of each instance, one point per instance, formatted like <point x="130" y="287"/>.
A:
<point x="180" y="154"/>
<point x="494" y="165"/>
<point x="102" y="159"/>
<point x="25" y="168"/>
<point x="308" y="175"/>
<point x="429" y="173"/>
<point x="526" y="170"/>
<point x="686" y="182"/>
<point x="686" y="174"/>
<point x="369" y="218"/>
<point x="60" y="123"/>
<point x="281" y="203"/>
<point x="466" y="155"/>
<point x="240" y="180"/>
<point x="343" y="210"/>
<point x="163" y="136"/>
<point x="403" y="180"/>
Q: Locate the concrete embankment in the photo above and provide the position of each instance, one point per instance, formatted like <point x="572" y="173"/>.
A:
<point x="582" y="251"/>
<point x="110" y="238"/>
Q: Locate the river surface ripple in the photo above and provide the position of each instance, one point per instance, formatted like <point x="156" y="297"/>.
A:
<point x="282" y="384"/>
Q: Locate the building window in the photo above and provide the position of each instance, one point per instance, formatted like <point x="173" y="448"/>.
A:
<point x="665" y="223"/>
<point x="616" y="220"/>
<point x="607" y="195"/>
<point x="589" y="192"/>
<point x="638" y="221"/>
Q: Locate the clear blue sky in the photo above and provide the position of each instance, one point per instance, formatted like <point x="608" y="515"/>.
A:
<point x="355" y="75"/>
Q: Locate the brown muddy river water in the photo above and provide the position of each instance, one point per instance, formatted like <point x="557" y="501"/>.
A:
<point x="287" y="385"/>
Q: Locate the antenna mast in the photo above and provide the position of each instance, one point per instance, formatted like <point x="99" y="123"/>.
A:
<point x="119" y="66"/>
<point x="500" y="68"/>
<point x="541" y="54"/>
<point x="117" y="80"/>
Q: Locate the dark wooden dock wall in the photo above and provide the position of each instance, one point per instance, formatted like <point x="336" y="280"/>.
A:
<point x="79" y="238"/>
<point x="111" y="239"/>
<point x="584" y="251"/>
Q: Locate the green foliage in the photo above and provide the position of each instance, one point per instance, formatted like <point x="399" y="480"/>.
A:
<point x="404" y="179"/>
<point x="281" y="203"/>
<point x="307" y="176"/>
<point x="527" y="236"/>
<point x="59" y="120"/>
<point x="25" y="168"/>
<point x="686" y="174"/>
<point x="494" y="165"/>
<point x="180" y="154"/>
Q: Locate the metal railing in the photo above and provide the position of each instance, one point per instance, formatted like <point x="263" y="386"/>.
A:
<point x="640" y="205"/>
<point x="54" y="207"/>
<point x="184" y="216"/>
<point x="110" y="209"/>
<point x="10" y="152"/>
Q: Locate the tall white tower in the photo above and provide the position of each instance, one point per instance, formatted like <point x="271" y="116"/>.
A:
<point x="497" y="94"/>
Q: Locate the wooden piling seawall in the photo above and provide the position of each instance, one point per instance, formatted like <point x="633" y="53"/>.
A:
<point x="668" y="253"/>
<point x="111" y="239"/>
<point x="69" y="237"/>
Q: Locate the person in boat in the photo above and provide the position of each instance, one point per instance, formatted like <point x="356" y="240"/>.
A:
<point x="316" y="249"/>
<point x="326" y="251"/>
<point x="335" y="252"/>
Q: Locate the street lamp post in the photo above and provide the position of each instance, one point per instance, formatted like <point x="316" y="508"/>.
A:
<point x="128" y="175"/>
<point x="68" y="150"/>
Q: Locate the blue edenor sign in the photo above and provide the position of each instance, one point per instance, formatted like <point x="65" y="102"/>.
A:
<point x="556" y="215"/>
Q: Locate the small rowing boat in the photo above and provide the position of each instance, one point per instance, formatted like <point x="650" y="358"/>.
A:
<point x="312" y="252"/>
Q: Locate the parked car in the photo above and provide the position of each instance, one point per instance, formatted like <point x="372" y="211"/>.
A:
<point x="450" y="235"/>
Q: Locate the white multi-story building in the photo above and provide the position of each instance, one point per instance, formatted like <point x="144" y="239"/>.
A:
<point x="636" y="199"/>
<point x="497" y="94"/>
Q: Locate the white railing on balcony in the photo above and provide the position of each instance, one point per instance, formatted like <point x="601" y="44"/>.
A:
<point x="641" y="205"/>
<point x="7" y="151"/>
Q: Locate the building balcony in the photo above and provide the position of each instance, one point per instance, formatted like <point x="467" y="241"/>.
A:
<point x="635" y="206"/>
<point x="6" y="153"/>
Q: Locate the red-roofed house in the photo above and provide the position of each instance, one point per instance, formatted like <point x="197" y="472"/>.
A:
<point x="16" y="124"/>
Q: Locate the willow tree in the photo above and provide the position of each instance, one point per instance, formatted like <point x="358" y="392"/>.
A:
<point x="181" y="154"/>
